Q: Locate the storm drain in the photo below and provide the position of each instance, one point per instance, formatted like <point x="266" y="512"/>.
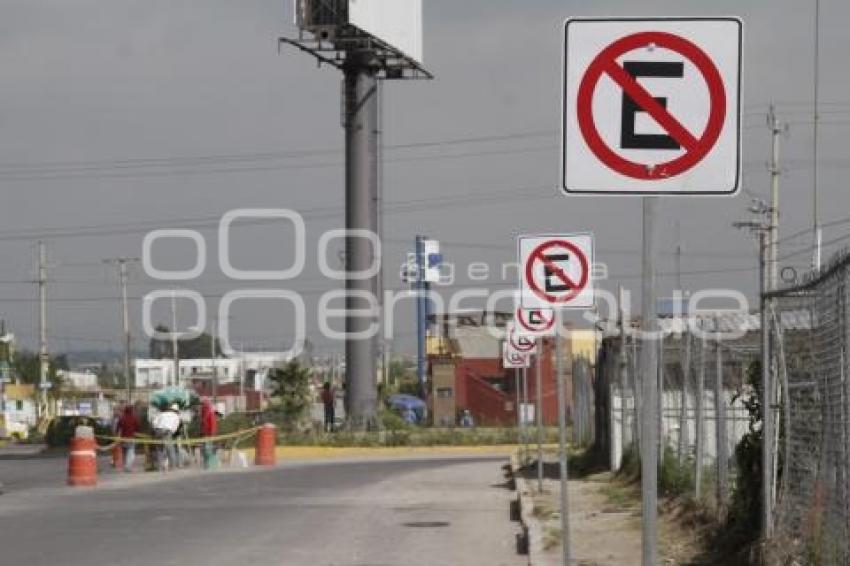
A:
<point x="426" y="524"/>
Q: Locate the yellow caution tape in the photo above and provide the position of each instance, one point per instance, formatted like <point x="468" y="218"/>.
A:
<point x="146" y="439"/>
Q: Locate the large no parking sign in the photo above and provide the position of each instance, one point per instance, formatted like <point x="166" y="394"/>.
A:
<point x="652" y="106"/>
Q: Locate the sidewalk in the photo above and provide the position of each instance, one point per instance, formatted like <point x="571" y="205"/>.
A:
<point x="605" y="522"/>
<point x="602" y="532"/>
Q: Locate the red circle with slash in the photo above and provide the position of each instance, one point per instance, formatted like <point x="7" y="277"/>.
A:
<point x="696" y="148"/>
<point x="543" y="326"/>
<point x="520" y="345"/>
<point x="539" y="255"/>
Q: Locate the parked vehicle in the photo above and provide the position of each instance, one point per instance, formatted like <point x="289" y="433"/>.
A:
<point x="61" y="429"/>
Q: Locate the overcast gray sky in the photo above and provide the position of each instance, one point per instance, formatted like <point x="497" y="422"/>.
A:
<point x="117" y="117"/>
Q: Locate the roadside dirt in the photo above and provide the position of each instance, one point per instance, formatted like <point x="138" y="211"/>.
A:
<point x="605" y="524"/>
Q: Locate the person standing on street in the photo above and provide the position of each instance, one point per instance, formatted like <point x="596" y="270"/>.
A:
<point x="209" y="428"/>
<point x="329" y="402"/>
<point x="165" y="426"/>
<point x="127" y="427"/>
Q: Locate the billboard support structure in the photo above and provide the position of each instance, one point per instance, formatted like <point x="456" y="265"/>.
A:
<point x="364" y="60"/>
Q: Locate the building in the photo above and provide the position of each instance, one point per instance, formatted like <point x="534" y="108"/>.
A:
<point x="465" y="368"/>
<point x="245" y="378"/>
<point x="79" y="380"/>
<point x="18" y="405"/>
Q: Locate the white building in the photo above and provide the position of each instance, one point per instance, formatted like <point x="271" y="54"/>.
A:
<point x="253" y="369"/>
<point x="82" y="380"/>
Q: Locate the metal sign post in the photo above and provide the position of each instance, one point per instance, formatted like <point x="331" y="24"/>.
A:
<point x="524" y="412"/>
<point x="556" y="274"/>
<point x="682" y="76"/>
<point x="539" y="395"/>
<point x="562" y="437"/>
<point x="649" y="386"/>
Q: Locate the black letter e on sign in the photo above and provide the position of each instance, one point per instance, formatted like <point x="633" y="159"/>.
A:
<point x="553" y="283"/>
<point x="628" y="138"/>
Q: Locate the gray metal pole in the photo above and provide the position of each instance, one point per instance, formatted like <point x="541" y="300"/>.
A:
<point x="700" y="425"/>
<point x="775" y="172"/>
<point x="522" y="414"/>
<point x="562" y="438"/>
<point x="126" y="321"/>
<point x="721" y="436"/>
<point x="517" y="402"/>
<point x="175" y="347"/>
<point x="213" y="357"/>
<point x="649" y="397"/>
<point x="539" y="397"/>
<point x="660" y="396"/>
<point x="684" y="422"/>
<point x="624" y="369"/>
<point x="43" y="356"/>
<point x="361" y="153"/>
<point x="767" y="414"/>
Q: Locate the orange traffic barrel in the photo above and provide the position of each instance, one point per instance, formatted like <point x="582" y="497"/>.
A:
<point x="264" y="453"/>
<point x="82" y="458"/>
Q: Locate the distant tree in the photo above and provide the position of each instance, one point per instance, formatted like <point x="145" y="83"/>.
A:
<point x="110" y="377"/>
<point x="198" y="347"/>
<point x="291" y="389"/>
<point x="398" y="371"/>
<point x="27" y="367"/>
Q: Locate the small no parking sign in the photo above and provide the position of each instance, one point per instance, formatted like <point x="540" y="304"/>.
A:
<point x="652" y="106"/>
<point x="555" y="271"/>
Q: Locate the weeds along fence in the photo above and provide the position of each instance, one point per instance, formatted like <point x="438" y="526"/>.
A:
<point x="697" y="434"/>
<point x="809" y="341"/>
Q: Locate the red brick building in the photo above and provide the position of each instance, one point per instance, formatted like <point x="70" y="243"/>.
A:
<point x="466" y="373"/>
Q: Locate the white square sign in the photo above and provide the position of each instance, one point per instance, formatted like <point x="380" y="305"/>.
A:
<point x="555" y="271"/>
<point x="511" y="359"/>
<point x="652" y="106"/>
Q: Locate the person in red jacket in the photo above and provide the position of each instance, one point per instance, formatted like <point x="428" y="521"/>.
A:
<point x="128" y="426"/>
<point x="209" y="428"/>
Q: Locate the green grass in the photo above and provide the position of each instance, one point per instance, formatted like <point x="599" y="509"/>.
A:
<point x="410" y="436"/>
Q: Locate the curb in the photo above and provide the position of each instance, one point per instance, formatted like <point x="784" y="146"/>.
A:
<point x="531" y="527"/>
<point x="521" y="512"/>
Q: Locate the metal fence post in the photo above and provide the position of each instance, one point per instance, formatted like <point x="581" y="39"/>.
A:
<point x="700" y="424"/>
<point x="662" y="443"/>
<point x="721" y="437"/>
<point x="684" y="422"/>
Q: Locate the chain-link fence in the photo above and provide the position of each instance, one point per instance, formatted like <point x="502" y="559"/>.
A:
<point x="809" y="339"/>
<point x="697" y="364"/>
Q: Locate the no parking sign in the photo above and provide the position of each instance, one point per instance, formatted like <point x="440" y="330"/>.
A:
<point x="555" y="271"/>
<point x="652" y="106"/>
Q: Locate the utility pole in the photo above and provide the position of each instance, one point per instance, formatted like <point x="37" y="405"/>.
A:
<point x="213" y="358"/>
<point x="766" y="397"/>
<point x="175" y="353"/>
<point x="763" y="230"/>
<point x="649" y="402"/>
<point x="122" y="262"/>
<point x="776" y="131"/>
<point x="817" y="233"/>
<point x="43" y="356"/>
<point x="623" y="371"/>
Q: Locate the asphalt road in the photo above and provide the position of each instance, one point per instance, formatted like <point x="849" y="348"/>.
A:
<point x="375" y="513"/>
